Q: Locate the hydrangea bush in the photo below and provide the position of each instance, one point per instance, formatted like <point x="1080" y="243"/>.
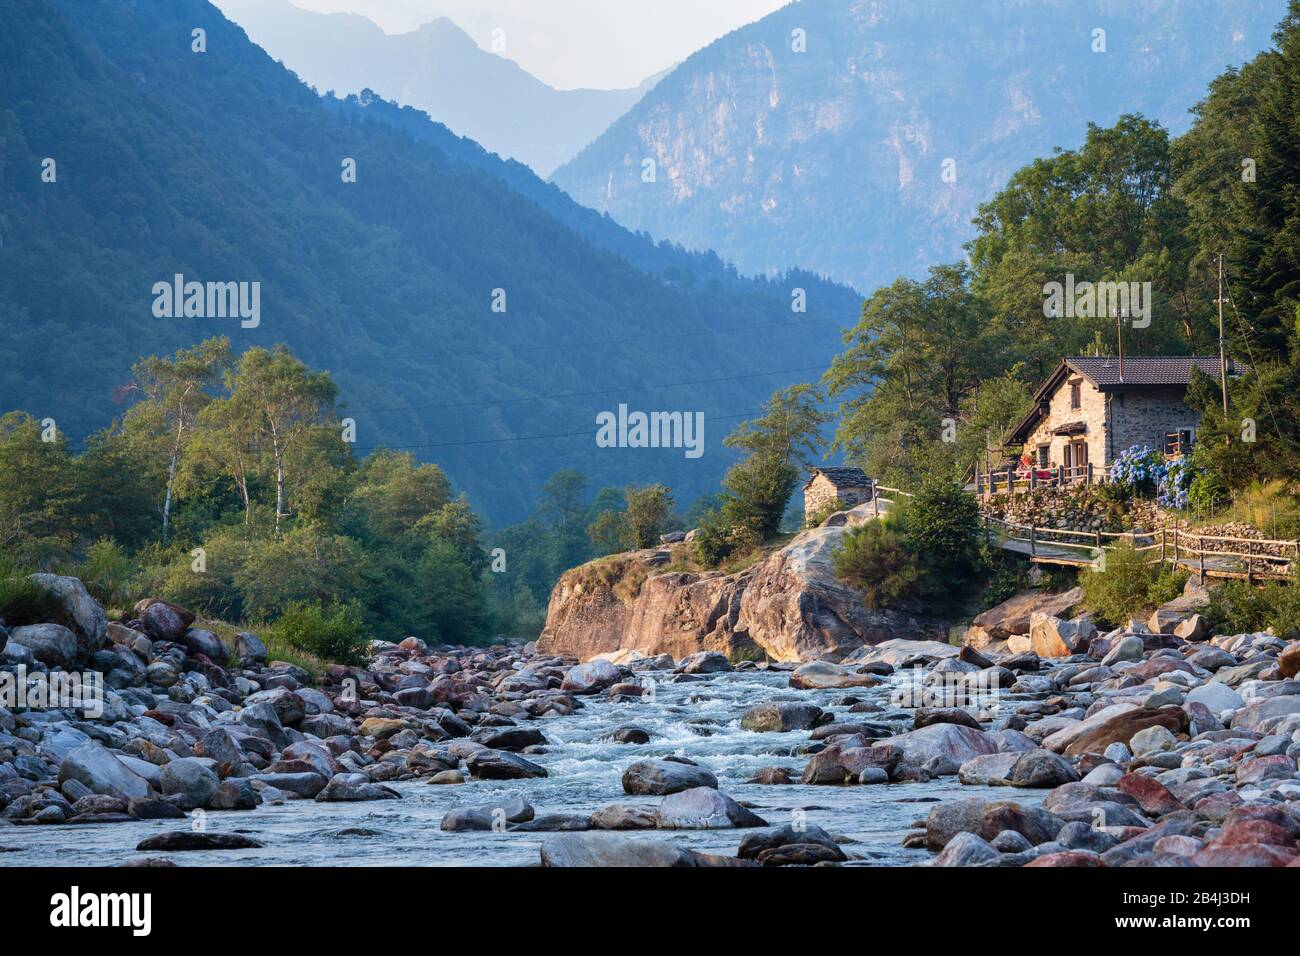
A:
<point x="1144" y="471"/>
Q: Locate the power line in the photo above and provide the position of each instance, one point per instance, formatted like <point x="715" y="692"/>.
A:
<point x="558" y="395"/>
<point x="495" y="441"/>
<point x="61" y="365"/>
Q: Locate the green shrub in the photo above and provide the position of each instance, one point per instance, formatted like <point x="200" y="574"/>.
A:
<point x="719" y="538"/>
<point x="1239" y="608"/>
<point x="336" y="635"/>
<point x="941" y="528"/>
<point x="21" y="601"/>
<point x="1130" y="585"/>
<point x="874" y="558"/>
<point x="1269" y="506"/>
<point x="107" y="573"/>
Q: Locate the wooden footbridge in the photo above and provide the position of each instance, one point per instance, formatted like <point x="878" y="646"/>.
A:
<point x="1207" y="556"/>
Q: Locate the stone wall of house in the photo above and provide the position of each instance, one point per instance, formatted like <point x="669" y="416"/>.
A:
<point x="1092" y="414"/>
<point x="822" y="491"/>
<point x="1143" y="418"/>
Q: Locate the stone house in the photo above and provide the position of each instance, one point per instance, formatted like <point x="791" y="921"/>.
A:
<point x="846" y="486"/>
<point x="1090" y="409"/>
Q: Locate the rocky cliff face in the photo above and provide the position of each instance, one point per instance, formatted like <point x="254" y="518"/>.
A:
<point x="789" y="607"/>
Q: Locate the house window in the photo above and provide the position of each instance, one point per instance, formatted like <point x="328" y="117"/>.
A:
<point x="1076" y="395"/>
<point x="1179" y="442"/>
<point x="1044" y="455"/>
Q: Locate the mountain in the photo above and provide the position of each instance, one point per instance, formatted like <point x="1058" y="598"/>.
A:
<point x="441" y="70"/>
<point x="222" y="167"/>
<point x="835" y="157"/>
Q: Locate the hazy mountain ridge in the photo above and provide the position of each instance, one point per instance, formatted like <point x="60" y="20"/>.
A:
<point x="835" y="158"/>
<point x="440" y="69"/>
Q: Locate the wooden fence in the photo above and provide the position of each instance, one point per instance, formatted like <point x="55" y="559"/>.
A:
<point x="1216" y="556"/>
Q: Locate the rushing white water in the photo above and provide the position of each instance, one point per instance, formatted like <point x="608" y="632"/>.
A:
<point x="697" y="720"/>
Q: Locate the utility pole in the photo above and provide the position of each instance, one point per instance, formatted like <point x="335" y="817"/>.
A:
<point x="1223" y="363"/>
<point x="1119" y="340"/>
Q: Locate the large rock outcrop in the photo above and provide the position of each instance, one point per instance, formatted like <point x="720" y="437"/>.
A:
<point x="790" y="607"/>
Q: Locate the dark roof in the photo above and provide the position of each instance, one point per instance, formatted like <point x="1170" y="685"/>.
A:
<point x="1140" y="372"/>
<point x="842" y="477"/>
<point x="1103" y="370"/>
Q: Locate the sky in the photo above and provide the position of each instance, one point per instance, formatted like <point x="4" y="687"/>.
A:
<point x="597" y="44"/>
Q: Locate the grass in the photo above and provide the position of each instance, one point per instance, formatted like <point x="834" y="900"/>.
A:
<point x="277" y="650"/>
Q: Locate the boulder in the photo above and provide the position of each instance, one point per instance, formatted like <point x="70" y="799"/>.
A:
<point x="190" y="777"/>
<point x="704" y="808"/>
<point x="98" y="768"/>
<point x="591" y="677"/>
<point x="1118" y="723"/>
<point x="181" y="840"/>
<point x="966" y="849"/>
<point x="196" y="640"/>
<point x="1215" y="696"/>
<point x="781" y="716"/>
<point x="705" y="662"/>
<point x="51" y="644"/>
<point x="613" y="850"/>
<point x="250" y="649"/>
<point x="1012" y="615"/>
<point x="939" y="747"/>
<point x="353" y="787"/>
<point x="1051" y="636"/>
<point x="1288" y="662"/>
<point x="1042" y="769"/>
<point x="79" y="612"/>
<point x="501" y="765"/>
<point x="163" y="622"/>
<point x="820" y="675"/>
<point x="663" y="777"/>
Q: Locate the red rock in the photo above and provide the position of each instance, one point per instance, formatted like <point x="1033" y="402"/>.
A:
<point x="1217" y="805"/>
<point x="1258" y="811"/>
<point x="1067" y="858"/>
<point x="1288" y="662"/>
<point x="1152" y="796"/>
<point x="1256" y="830"/>
<point x="1245" y="854"/>
<point x="1122" y="727"/>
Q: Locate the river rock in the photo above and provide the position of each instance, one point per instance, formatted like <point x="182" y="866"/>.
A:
<point x="190" y="777"/>
<point x="1042" y="769"/>
<point x="704" y="808"/>
<point x="250" y="649"/>
<point x="663" y="777"/>
<point x="624" y="816"/>
<point x="966" y="849"/>
<point x="705" y="662"/>
<point x="1012" y="615"/>
<point x="199" y="641"/>
<point x="351" y="787"/>
<point x="79" y="612"/>
<point x="1121" y="727"/>
<point x="1051" y="636"/>
<point x="753" y="845"/>
<point x="1217" y="697"/>
<point x="51" y="644"/>
<point x="781" y="716"/>
<point x="591" y="677"/>
<point x="181" y="840"/>
<point x="821" y="675"/>
<point x="988" y="769"/>
<point x="501" y="765"/>
<point x="98" y="768"/>
<point x="613" y="850"/>
<point x="941" y="747"/>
